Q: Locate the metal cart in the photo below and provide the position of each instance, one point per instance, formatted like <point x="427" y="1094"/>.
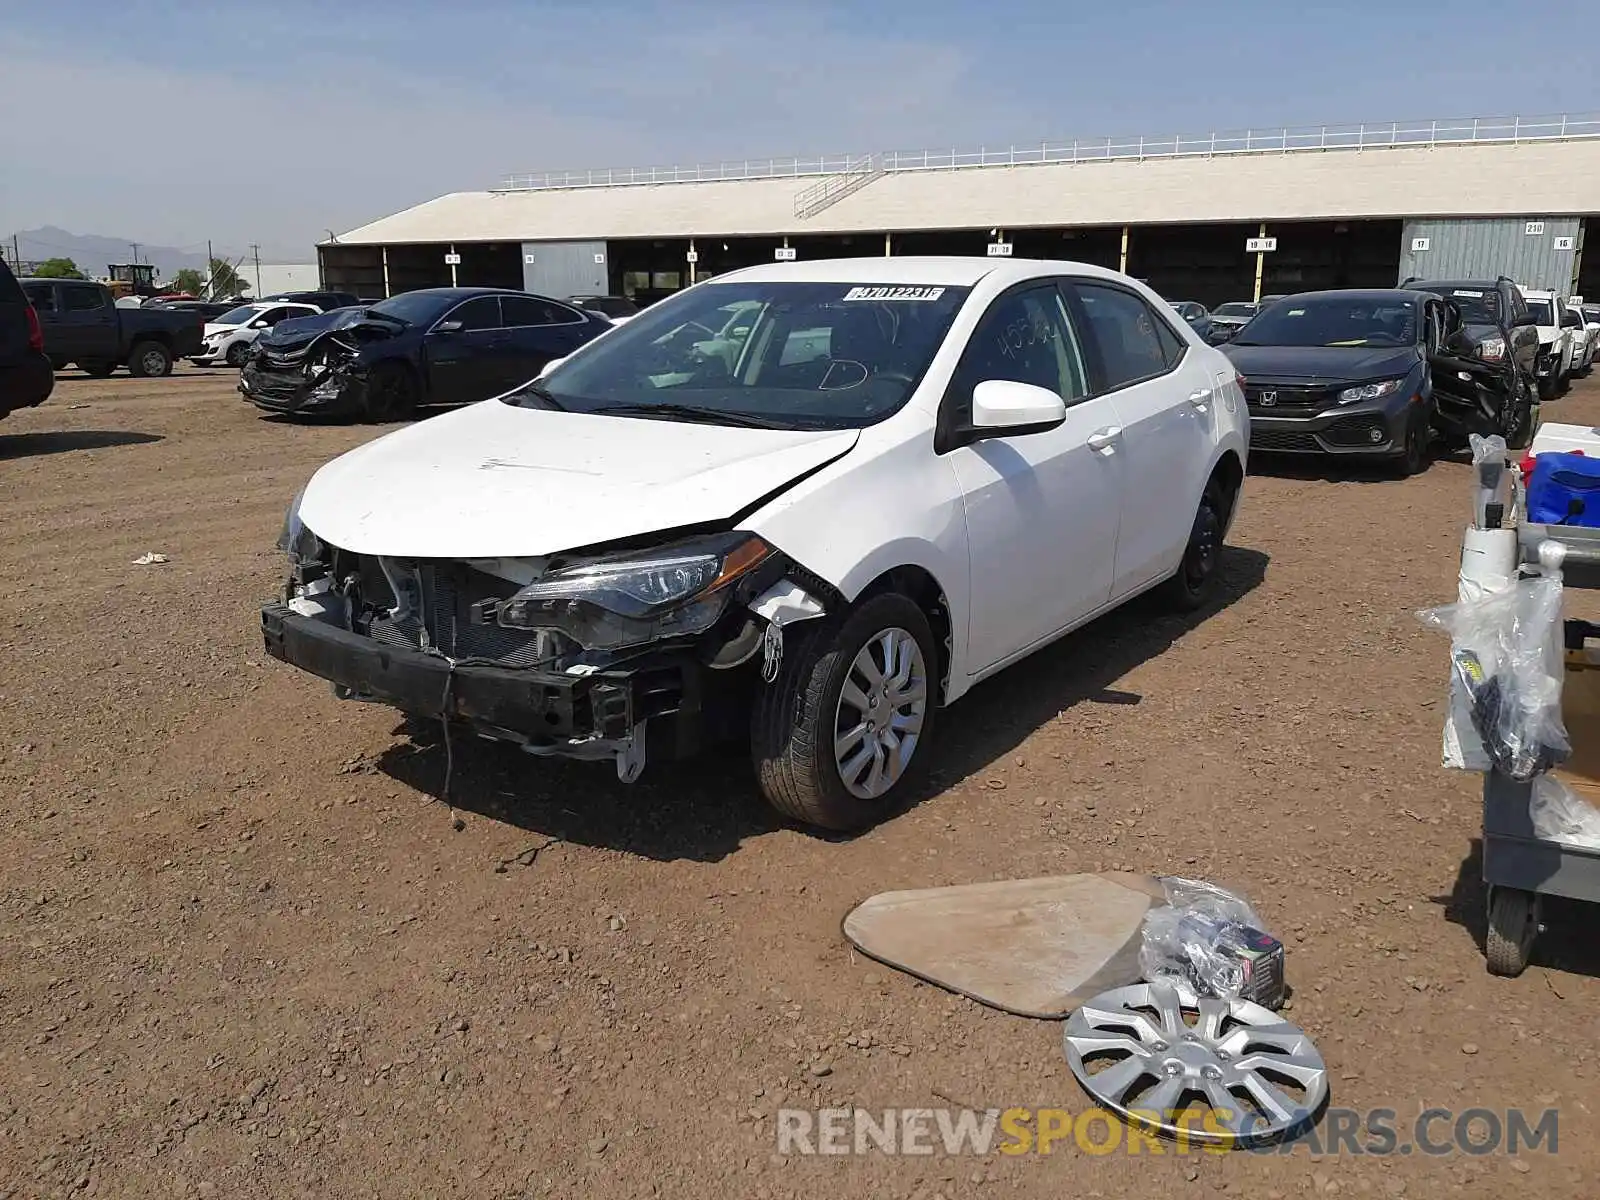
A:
<point x="1520" y="867"/>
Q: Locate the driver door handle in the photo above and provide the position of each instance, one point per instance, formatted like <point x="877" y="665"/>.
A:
<point x="1104" y="441"/>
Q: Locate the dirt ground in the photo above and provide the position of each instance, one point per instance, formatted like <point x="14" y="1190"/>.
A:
<point x="243" y="954"/>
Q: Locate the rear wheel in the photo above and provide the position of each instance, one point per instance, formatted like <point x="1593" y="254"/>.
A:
<point x="98" y="368"/>
<point x="838" y="738"/>
<point x="1196" y="579"/>
<point x="150" y="360"/>
<point x="391" y="392"/>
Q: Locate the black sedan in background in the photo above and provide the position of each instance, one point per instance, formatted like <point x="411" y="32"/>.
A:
<point x="434" y="346"/>
<point x="1345" y="372"/>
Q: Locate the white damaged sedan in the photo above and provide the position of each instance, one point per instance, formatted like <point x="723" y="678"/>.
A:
<point x="806" y="504"/>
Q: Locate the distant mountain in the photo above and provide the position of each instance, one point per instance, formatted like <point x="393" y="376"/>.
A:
<point x="93" y="253"/>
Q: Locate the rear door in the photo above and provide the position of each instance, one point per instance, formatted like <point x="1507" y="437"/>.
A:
<point x="1166" y="396"/>
<point x="464" y="363"/>
<point x="539" y="330"/>
<point x="88" y="323"/>
<point x="1523" y="336"/>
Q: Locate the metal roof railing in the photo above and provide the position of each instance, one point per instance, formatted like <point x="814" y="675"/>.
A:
<point x="1453" y="131"/>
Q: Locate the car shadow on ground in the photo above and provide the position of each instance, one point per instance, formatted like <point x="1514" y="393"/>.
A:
<point x="706" y="808"/>
<point x="1567" y="943"/>
<point x="32" y="445"/>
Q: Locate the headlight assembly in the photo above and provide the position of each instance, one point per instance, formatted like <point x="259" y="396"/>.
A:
<point x="1370" y="391"/>
<point x="637" y="598"/>
<point x="1492" y="349"/>
<point x="295" y="540"/>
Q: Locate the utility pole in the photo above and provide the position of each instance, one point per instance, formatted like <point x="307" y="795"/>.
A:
<point x="16" y="254"/>
<point x="256" y="250"/>
<point x="210" y="269"/>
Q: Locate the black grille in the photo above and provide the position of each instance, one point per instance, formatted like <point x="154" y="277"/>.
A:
<point x="1357" y="431"/>
<point x="273" y="385"/>
<point x="448" y="592"/>
<point x="1288" y="441"/>
<point x="1289" y="397"/>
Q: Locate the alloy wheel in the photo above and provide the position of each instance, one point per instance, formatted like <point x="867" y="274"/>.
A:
<point x="881" y="711"/>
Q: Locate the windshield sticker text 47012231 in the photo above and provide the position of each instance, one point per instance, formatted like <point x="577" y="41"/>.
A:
<point x="894" y="293"/>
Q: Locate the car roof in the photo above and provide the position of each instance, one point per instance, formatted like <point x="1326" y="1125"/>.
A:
<point x="1537" y="294"/>
<point x="1487" y="285"/>
<point x="1357" y="293"/>
<point x="912" y="270"/>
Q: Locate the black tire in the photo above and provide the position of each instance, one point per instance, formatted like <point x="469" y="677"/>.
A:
<point x="1548" y="387"/>
<point x="391" y="392"/>
<point x="1416" y="455"/>
<point x="1513" y="924"/>
<point x="1191" y="587"/>
<point x="1520" y="426"/>
<point x="150" y="360"/>
<point x="793" y="728"/>
<point x="236" y="354"/>
<point x="98" y="368"/>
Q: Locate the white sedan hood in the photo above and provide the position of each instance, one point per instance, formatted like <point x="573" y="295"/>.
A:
<point x="496" y="481"/>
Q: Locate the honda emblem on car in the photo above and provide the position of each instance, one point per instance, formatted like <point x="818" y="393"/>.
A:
<point x="1268" y="399"/>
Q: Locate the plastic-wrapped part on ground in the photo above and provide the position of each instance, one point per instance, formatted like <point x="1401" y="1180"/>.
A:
<point x="1208" y="939"/>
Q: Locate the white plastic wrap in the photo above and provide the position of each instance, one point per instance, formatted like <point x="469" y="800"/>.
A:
<point x="1506" y="653"/>
<point x="1210" y="939"/>
<point x="1561" y="815"/>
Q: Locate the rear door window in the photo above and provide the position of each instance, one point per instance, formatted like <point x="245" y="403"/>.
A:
<point x="530" y="311"/>
<point x="77" y="297"/>
<point x="41" y="295"/>
<point x="1127" y="334"/>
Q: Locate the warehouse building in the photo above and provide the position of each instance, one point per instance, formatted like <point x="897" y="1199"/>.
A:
<point x="1216" y="218"/>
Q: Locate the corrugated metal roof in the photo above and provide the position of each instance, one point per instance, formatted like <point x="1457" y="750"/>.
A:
<point x="1442" y="181"/>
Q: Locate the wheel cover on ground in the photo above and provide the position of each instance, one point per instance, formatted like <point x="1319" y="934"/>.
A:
<point x="882" y="707"/>
<point x="1133" y="1050"/>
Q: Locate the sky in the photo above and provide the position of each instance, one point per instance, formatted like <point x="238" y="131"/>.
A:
<point x="276" y="123"/>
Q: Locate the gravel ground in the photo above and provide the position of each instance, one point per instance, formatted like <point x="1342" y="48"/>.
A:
<point x="244" y="954"/>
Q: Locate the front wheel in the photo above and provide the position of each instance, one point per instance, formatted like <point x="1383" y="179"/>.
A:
<point x="1518" y="421"/>
<point x="150" y="360"/>
<point x="838" y="738"/>
<point x="391" y="392"/>
<point x="236" y="354"/>
<point x="1416" y="454"/>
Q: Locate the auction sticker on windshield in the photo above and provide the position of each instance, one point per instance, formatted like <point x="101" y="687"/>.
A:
<point x="894" y="293"/>
<point x="1469" y="295"/>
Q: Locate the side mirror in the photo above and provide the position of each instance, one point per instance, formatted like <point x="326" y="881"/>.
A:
<point x="258" y="323"/>
<point x="1005" y="408"/>
<point x="449" y="327"/>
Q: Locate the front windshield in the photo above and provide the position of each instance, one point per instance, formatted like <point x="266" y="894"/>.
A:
<point x="238" y="316"/>
<point x="1541" y="312"/>
<point x="1236" y="309"/>
<point x="409" y="308"/>
<point x="790" y="355"/>
<point x="1334" y="321"/>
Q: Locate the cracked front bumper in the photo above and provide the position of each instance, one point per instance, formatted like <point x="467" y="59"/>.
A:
<point x="544" y="710"/>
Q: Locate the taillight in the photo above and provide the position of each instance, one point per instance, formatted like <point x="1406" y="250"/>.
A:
<point x="1239" y="379"/>
<point x="35" y="334"/>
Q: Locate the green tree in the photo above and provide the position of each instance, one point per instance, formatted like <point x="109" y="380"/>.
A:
<point x="225" y="281"/>
<point x="189" y="281"/>
<point x="58" y="268"/>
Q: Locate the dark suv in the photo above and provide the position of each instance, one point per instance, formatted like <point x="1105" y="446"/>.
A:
<point x="26" y="377"/>
<point x="1492" y="357"/>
